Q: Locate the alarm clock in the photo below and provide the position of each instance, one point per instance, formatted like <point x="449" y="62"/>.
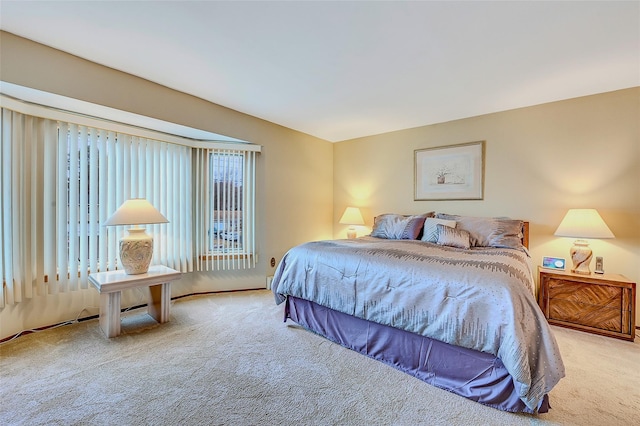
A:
<point x="553" y="263"/>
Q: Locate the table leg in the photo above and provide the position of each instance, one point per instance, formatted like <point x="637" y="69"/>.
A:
<point x="110" y="313"/>
<point x="160" y="301"/>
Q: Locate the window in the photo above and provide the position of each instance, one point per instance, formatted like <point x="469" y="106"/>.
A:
<point x="226" y="203"/>
<point x="226" y="217"/>
<point x="61" y="180"/>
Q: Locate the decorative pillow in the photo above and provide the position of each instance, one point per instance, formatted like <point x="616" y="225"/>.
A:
<point x="452" y="237"/>
<point x="430" y="230"/>
<point x="398" y="227"/>
<point x="489" y="231"/>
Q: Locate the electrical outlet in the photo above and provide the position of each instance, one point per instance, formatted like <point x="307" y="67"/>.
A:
<point x="273" y="262"/>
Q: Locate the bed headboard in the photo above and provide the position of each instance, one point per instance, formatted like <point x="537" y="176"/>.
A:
<point x="525" y="234"/>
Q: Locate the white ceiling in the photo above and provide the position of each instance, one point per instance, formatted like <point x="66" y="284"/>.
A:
<point x="341" y="70"/>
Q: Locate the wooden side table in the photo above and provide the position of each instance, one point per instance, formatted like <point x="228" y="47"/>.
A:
<point x="601" y="304"/>
<point x="110" y="285"/>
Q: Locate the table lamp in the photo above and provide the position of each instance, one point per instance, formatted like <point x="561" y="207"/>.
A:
<point x="136" y="248"/>
<point x="582" y="223"/>
<point x="351" y="217"/>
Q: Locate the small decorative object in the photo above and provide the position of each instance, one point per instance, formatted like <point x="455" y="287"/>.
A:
<point x="352" y="217"/>
<point x="454" y="172"/>
<point x="582" y="224"/>
<point x="599" y="265"/>
<point x="553" y="263"/>
<point x="136" y="249"/>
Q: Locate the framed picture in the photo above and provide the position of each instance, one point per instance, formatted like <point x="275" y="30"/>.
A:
<point x="453" y="172"/>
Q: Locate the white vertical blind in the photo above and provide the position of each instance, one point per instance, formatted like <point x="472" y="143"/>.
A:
<point x="27" y="186"/>
<point x="61" y="180"/>
<point x="6" y="239"/>
<point x="224" y="206"/>
<point x="49" y="200"/>
<point x="62" y="213"/>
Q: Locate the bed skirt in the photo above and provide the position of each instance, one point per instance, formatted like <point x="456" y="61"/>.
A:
<point x="475" y="375"/>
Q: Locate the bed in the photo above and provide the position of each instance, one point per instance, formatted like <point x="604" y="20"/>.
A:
<point x="447" y="299"/>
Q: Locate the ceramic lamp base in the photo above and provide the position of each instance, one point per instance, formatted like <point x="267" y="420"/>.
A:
<point x="136" y="251"/>
<point x="581" y="255"/>
<point x="351" y="232"/>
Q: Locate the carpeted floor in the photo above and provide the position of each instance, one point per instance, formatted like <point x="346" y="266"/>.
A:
<point x="228" y="359"/>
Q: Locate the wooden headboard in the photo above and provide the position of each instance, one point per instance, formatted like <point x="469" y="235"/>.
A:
<point x="525" y="234"/>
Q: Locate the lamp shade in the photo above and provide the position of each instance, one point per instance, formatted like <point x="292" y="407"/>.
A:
<point x="583" y="223"/>
<point x="352" y="216"/>
<point x="136" y="211"/>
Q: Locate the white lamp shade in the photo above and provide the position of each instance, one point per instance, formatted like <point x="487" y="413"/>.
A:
<point x="352" y="216"/>
<point x="583" y="223"/>
<point x="136" y="211"/>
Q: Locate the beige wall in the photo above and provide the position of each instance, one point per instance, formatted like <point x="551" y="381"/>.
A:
<point x="290" y="164"/>
<point x="540" y="161"/>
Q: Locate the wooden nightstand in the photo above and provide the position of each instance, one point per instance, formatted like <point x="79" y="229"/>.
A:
<point x="601" y="304"/>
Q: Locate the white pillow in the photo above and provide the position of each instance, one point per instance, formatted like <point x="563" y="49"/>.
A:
<point x="430" y="230"/>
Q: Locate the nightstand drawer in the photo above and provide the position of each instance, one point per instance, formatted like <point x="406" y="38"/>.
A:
<point x="601" y="304"/>
<point x="585" y="314"/>
<point x="590" y="294"/>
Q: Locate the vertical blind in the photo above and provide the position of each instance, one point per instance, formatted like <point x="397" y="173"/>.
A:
<point x="61" y="180"/>
<point x="224" y="205"/>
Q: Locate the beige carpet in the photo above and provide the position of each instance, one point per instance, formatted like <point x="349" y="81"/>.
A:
<point x="228" y="359"/>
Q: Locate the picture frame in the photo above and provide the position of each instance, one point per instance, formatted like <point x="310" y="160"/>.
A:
<point x="451" y="172"/>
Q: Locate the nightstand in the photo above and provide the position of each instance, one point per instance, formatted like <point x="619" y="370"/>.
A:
<point x="601" y="304"/>
<point x="111" y="283"/>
